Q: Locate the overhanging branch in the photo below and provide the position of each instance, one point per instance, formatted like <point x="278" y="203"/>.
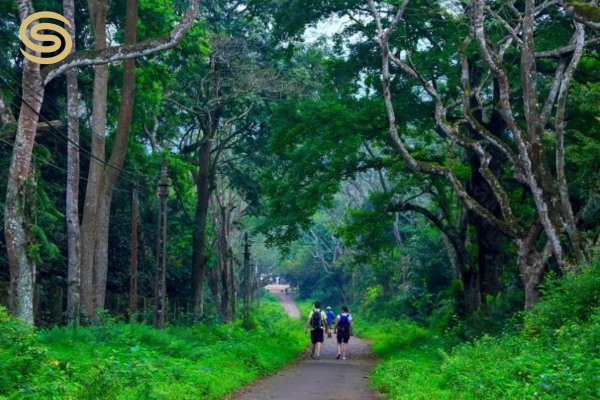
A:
<point x="124" y="52"/>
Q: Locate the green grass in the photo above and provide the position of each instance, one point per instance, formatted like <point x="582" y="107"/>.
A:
<point x="409" y="355"/>
<point x="133" y="361"/>
<point x="305" y="306"/>
<point x="554" y="355"/>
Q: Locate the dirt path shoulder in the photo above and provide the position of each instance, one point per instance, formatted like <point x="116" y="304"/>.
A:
<point x="325" y="379"/>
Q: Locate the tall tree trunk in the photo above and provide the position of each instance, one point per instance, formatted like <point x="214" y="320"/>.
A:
<point x="226" y="295"/>
<point x="561" y="180"/>
<point x="100" y="271"/>
<point x="100" y="190"/>
<point x="98" y="11"/>
<point x="199" y="235"/>
<point x="117" y="159"/>
<point x="490" y="259"/>
<point x="17" y="220"/>
<point x="133" y="266"/>
<point x="216" y="274"/>
<point x="489" y="239"/>
<point x="225" y="254"/>
<point x="227" y="302"/>
<point x="213" y="275"/>
<point x="72" y="201"/>
<point x="531" y="264"/>
<point x="400" y="245"/>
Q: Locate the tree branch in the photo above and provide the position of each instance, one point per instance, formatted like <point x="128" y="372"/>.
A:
<point x="572" y="10"/>
<point x="579" y="39"/>
<point x="564" y="51"/>
<point x="558" y="74"/>
<point x="124" y="52"/>
<point x="505" y="226"/>
<point x="451" y="234"/>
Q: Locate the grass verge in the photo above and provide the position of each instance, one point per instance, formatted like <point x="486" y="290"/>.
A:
<point x="133" y="361"/>
<point x="554" y="355"/>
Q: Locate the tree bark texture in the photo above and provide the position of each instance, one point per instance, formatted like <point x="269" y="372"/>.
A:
<point x="20" y="188"/>
<point x="73" y="170"/>
<point x="204" y="189"/>
<point x="213" y="277"/>
<point x="531" y="265"/>
<point x="133" y="264"/>
<point x="89" y="225"/>
<point x="223" y="218"/>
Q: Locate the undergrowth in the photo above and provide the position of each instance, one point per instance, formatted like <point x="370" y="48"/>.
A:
<point x="554" y="353"/>
<point x="134" y="361"/>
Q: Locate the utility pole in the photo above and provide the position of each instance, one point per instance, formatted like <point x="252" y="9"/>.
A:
<point x="133" y="266"/>
<point x="160" y="287"/>
<point x="247" y="286"/>
<point x="257" y="282"/>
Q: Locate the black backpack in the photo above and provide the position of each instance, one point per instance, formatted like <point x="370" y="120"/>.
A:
<point x="316" y="322"/>
<point x="343" y="325"/>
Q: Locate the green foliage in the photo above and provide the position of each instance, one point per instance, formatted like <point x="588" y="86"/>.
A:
<point x="409" y="354"/>
<point x="118" y="361"/>
<point x="568" y="300"/>
<point x="26" y="369"/>
<point x="389" y="335"/>
<point x="590" y="11"/>
<point x="19" y="351"/>
<point x="555" y="355"/>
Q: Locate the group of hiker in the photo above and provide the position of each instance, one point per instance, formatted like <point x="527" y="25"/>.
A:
<point x="325" y="322"/>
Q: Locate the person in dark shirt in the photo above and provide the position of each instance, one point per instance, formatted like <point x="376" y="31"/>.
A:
<point x="343" y="330"/>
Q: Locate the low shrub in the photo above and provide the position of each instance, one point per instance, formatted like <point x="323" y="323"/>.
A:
<point x="554" y="354"/>
<point x="135" y="361"/>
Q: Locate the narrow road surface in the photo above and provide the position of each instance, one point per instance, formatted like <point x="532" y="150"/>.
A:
<point x="288" y="303"/>
<point x="325" y="379"/>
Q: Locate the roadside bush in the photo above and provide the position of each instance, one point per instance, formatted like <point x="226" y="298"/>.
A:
<point x="568" y="299"/>
<point x="20" y="352"/>
<point x="554" y="354"/>
<point x="135" y="361"/>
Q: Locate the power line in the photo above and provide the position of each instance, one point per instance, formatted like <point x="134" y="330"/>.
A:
<point x="53" y="107"/>
<point x="52" y="128"/>
<point x="55" y="131"/>
<point x="45" y="162"/>
<point x="61" y="136"/>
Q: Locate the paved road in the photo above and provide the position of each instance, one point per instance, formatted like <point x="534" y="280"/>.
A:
<point x="325" y="379"/>
<point x="288" y="303"/>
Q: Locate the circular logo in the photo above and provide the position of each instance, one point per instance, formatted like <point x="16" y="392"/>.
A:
<point x="54" y="39"/>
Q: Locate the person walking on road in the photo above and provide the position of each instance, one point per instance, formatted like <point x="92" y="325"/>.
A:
<point x="343" y="330"/>
<point x="317" y="320"/>
<point x="330" y="320"/>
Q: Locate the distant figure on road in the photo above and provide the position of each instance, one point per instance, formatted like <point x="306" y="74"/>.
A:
<point x="343" y="329"/>
<point x="330" y="320"/>
<point x="317" y="320"/>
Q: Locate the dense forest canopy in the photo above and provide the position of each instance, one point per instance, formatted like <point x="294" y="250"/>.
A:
<point x="426" y="155"/>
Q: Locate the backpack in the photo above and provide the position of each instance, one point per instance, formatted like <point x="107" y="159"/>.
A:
<point x="315" y="321"/>
<point x="343" y="325"/>
<point x="330" y="316"/>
